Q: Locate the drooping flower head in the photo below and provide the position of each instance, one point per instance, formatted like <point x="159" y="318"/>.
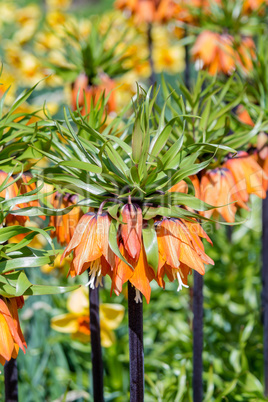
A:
<point x="180" y="250"/>
<point x="148" y="10"/>
<point x="64" y="224"/>
<point x="92" y="250"/>
<point x="218" y="53"/>
<point x="215" y="52"/>
<point x="91" y="247"/>
<point x="248" y="175"/>
<point x="11" y="337"/>
<point x="218" y="187"/>
<point x="84" y="93"/>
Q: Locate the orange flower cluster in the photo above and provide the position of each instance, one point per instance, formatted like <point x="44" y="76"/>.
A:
<point x="219" y="54"/>
<point x="232" y="184"/>
<point x="149" y="10"/>
<point x="262" y="155"/>
<point x="189" y="11"/>
<point x="87" y="93"/>
<point x="179" y="250"/>
<point x="11" y="337"/>
<point x="64" y="224"/>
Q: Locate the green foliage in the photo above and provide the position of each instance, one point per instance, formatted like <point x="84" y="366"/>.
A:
<point x="92" y="56"/>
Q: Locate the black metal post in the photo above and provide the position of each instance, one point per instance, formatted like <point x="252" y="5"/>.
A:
<point x="136" y="354"/>
<point x="150" y="48"/>
<point x="11" y="381"/>
<point x="198" y="337"/>
<point x="187" y="72"/>
<point x="265" y="288"/>
<point x="197" y="294"/>
<point x="96" y="353"/>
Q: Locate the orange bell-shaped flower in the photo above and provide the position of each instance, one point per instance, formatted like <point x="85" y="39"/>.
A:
<point x="64" y="224"/>
<point x="148" y="10"/>
<point x="248" y="174"/>
<point x="11" y="337"/>
<point x="90" y="244"/>
<point x="90" y="92"/>
<point x="218" y="188"/>
<point x="180" y="250"/>
<point x="215" y="52"/>
<point x="131" y="229"/>
<point x="140" y="276"/>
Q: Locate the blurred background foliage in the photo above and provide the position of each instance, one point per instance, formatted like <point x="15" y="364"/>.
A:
<point x="58" y="368"/>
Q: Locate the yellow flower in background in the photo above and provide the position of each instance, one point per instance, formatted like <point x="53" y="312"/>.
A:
<point x="84" y="28"/>
<point x="167" y="57"/>
<point x="125" y="88"/>
<point x="38" y="241"/>
<point x="28" y="19"/>
<point x="160" y="36"/>
<point x="7" y="12"/>
<point x="56" y="19"/>
<point x="28" y="15"/>
<point x="47" y="40"/>
<point x="28" y="66"/>
<point x="57" y="58"/>
<point x="12" y="54"/>
<point x="113" y="17"/>
<point x="170" y="59"/>
<point x="57" y="265"/>
<point x="8" y="82"/>
<point x="76" y="322"/>
<point x="59" y="4"/>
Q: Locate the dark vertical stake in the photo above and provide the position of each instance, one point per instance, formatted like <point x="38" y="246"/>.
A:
<point x="198" y="337"/>
<point x="197" y="296"/>
<point x="11" y="381"/>
<point x="150" y="48"/>
<point x="187" y="64"/>
<point x="265" y="288"/>
<point x="136" y="355"/>
<point x="96" y="355"/>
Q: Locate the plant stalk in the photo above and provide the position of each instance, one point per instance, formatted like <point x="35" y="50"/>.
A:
<point x="265" y="288"/>
<point x="96" y="353"/>
<point x="150" y="48"/>
<point x="198" y="337"/>
<point x="136" y="354"/>
<point x="11" y="381"/>
<point x="187" y="64"/>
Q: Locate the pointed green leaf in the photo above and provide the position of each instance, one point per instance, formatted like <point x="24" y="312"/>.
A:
<point x="151" y="245"/>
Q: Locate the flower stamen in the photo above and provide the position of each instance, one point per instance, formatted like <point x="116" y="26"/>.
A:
<point x="138" y="298"/>
<point x="181" y="284"/>
<point x="95" y="275"/>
